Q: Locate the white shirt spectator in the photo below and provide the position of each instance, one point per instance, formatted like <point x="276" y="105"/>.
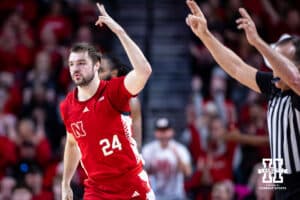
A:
<point x="165" y="177"/>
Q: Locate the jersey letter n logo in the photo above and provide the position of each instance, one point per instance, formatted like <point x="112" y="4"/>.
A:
<point x="78" y="130"/>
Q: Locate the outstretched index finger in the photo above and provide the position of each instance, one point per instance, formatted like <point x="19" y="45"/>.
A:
<point x="244" y="13"/>
<point x="195" y="9"/>
<point x="102" y="9"/>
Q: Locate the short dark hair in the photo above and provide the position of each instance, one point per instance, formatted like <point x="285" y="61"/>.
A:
<point x="85" y="47"/>
<point x="295" y="40"/>
<point x="116" y="64"/>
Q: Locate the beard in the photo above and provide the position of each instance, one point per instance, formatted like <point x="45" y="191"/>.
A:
<point x="83" y="81"/>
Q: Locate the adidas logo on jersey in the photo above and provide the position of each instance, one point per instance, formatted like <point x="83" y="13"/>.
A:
<point x="86" y="109"/>
<point x="135" y="194"/>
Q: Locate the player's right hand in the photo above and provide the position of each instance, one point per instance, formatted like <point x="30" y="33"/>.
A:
<point x="106" y="19"/>
<point x="196" y="20"/>
<point x="67" y="193"/>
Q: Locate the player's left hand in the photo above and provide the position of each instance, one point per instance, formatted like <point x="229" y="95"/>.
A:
<point x="105" y="18"/>
<point x="246" y="23"/>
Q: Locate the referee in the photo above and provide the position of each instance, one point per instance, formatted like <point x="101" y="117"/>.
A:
<point x="282" y="88"/>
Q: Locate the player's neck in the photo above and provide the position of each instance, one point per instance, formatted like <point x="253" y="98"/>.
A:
<point x="86" y="92"/>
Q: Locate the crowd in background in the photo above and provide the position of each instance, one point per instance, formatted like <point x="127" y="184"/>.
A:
<point x="34" y="40"/>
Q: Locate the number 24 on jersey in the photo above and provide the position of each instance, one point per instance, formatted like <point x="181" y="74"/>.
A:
<point x="110" y="146"/>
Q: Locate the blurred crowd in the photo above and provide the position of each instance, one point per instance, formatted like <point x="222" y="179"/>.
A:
<point x="35" y="36"/>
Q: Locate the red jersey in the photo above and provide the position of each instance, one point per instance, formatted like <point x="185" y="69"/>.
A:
<point x="101" y="126"/>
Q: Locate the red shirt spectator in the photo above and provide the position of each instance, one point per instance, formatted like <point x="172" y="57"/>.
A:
<point x="8" y="155"/>
<point x="57" y="22"/>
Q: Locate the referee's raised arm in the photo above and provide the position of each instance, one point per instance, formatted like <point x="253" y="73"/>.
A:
<point x="225" y="57"/>
<point x="283" y="59"/>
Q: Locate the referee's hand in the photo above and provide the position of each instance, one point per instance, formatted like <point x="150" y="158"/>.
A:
<point x="246" y="23"/>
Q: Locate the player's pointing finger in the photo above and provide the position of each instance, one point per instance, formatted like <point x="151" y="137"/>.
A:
<point x="194" y="8"/>
<point x="102" y="9"/>
<point x="99" y="7"/>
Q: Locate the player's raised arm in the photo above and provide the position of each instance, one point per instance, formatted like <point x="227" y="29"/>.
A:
<point x="137" y="78"/>
<point x="226" y="58"/>
<point x="71" y="161"/>
<point x="282" y="66"/>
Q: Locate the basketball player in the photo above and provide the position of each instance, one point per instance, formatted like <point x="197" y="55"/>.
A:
<point x="98" y="127"/>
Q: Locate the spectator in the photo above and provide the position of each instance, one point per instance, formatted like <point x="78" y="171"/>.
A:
<point x="8" y="155"/>
<point x="40" y="105"/>
<point x="12" y="100"/>
<point x="21" y="193"/>
<point x="7" y="185"/>
<point x="201" y="111"/>
<point x="55" y="21"/>
<point x="86" y="11"/>
<point x="218" y="89"/>
<point x="84" y="34"/>
<point x="8" y="121"/>
<point x="223" y="190"/>
<point x="167" y="162"/>
<point x="16" y="55"/>
<point x="214" y="159"/>
<point x="51" y="47"/>
<point x="34" y="179"/>
<point x="33" y="146"/>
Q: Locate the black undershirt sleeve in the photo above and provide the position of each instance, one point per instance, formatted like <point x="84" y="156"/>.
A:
<point x="264" y="82"/>
<point x="296" y="101"/>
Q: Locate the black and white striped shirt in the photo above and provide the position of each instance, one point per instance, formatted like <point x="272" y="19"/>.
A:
<point x="283" y="119"/>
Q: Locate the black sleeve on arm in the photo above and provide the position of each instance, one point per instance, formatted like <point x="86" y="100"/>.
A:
<point x="296" y="101"/>
<point x="264" y="82"/>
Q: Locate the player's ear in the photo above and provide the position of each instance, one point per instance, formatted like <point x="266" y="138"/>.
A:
<point x="97" y="66"/>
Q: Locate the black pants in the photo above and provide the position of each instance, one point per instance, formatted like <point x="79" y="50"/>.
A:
<point x="292" y="188"/>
